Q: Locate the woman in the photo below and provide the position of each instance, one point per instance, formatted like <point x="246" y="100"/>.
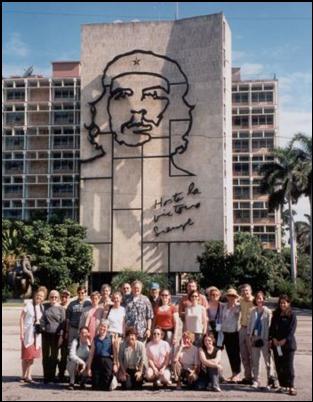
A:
<point x="100" y="362"/>
<point x="283" y="342"/>
<point x="52" y="324"/>
<point x="78" y="356"/>
<point x="132" y="360"/>
<point x="195" y="318"/>
<point x="105" y="300"/>
<point x="166" y="318"/>
<point x="116" y="318"/>
<point x="230" y="328"/>
<point x="186" y="361"/>
<point x="258" y="330"/>
<point x="158" y="355"/>
<point x="139" y="313"/>
<point x="94" y="315"/>
<point x="215" y="314"/>
<point x="210" y="360"/>
<point x="30" y="334"/>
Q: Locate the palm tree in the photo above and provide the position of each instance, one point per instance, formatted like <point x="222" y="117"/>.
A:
<point x="279" y="181"/>
<point x="302" y="145"/>
<point x="303" y="233"/>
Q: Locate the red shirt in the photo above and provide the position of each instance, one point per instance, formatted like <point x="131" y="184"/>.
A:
<point x="165" y="319"/>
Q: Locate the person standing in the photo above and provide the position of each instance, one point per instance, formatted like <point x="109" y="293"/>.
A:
<point x="139" y="313"/>
<point x="185" y="300"/>
<point x="94" y="314"/>
<point x="65" y="300"/>
<point x="154" y="296"/>
<point x="230" y="328"/>
<point x="74" y="312"/>
<point x="283" y="342"/>
<point x="116" y="318"/>
<point x="215" y="314"/>
<point x="210" y="360"/>
<point x="166" y="318"/>
<point x="106" y="301"/>
<point x="30" y="334"/>
<point x="196" y="318"/>
<point x="126" y="291"/>
<point x="52" y="324"/>
<point x="246" y="305"/>
<point x="258" y="330"/>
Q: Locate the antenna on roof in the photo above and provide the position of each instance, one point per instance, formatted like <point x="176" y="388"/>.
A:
<point x="28" y="72"/>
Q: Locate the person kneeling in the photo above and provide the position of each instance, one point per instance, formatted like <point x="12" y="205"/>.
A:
<point x="100" y="362"/>
<point x="132" y="359"/>
<point x="210" y="360"/>
<point x="186" y="361"/>
<point x="158" y="354"/>
<point x="78" y="356"/>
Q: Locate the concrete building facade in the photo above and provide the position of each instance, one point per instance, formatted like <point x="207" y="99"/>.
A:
<point x="156" y="142"/>
<point x="40" y="142"/>
<point x="255" y="131"/>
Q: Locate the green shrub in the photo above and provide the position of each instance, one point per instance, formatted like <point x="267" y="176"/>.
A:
<point x="130" y="276"/>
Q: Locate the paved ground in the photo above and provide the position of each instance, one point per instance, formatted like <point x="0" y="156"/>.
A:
<point x="12" y="390"/>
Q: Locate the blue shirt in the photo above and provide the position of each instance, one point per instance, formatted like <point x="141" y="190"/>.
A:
<point x="103" y="347"/>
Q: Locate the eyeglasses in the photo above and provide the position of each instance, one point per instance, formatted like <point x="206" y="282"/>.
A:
<point x="194" y="297"/>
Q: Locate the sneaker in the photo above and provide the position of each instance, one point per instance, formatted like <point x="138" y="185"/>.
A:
<point x="71" y="387"/>
<point x="113" y="384"/>
<point x="255" y="385"/>
<point x="216" y="389"/>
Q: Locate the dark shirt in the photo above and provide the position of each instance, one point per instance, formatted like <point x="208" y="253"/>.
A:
<point x="53" y="318"/>
<point x="74" y="311"/>
<point x="284" y="327"/>
<point x="103" y="347"/>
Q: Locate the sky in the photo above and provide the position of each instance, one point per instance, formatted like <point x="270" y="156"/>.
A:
<point x="268" y="38"/>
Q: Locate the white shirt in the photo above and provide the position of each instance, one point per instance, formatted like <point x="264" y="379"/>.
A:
<point x="193" y="319"/>
<point x="157" y="352"/>
<point x="116" y="319"/>
<point x="29" y="320"/>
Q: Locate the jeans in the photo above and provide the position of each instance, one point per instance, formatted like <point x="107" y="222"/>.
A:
<point x="208" y="377"/>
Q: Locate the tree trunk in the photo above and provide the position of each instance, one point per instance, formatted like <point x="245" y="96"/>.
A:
<point x="293" y="249"/>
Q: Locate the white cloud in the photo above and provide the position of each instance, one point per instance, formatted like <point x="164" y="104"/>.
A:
<point x="251" y="69"/>
<point x="16" y="46"/>
<point x="291" y="122"/>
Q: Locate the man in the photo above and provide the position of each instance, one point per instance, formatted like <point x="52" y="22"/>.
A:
<point x="154" y="295"/>
<point x="126" y="291"/>
<point x="185" y="300"/>
<point x="74" y="312"/>
<point x="106" y="301"/>
<point x="246" y="305"/>
<point x="65" y="300"/>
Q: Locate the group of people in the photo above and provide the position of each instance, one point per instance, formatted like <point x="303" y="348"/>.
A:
<point x="127" y="338"/>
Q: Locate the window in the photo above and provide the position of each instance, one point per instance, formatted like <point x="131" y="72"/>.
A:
<point x="242" y="215"/>
<point x="241" y="121"/>
<point x="240" y="97"/>
<point x="260" y="213"/>
<point x="63" y="117"/>
<point x="241" y="145"/>
<point x="241" y="169"/>
<point x="15" y="94"/>
<point x="262" y="143"/>
<point x="62" y="165"/>
<point x="260" y="97"/>
<point x="241" y="193"/>
<point x="262" y="120"/>
<point x="15" y="118"/>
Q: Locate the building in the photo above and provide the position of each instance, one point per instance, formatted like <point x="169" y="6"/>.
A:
<point x="46" y="134"/>
<point x="40" y="140"/>
<point x="255" y="131"/>
<point x="156" y="143"/>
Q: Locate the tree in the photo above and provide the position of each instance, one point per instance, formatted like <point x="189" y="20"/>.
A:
<point x="59" y="250"/>
<point x="280" y="182"/>
<point x="302" y="145"/>
<point x="303" y="234"/>
<point x="249" y="263"/>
